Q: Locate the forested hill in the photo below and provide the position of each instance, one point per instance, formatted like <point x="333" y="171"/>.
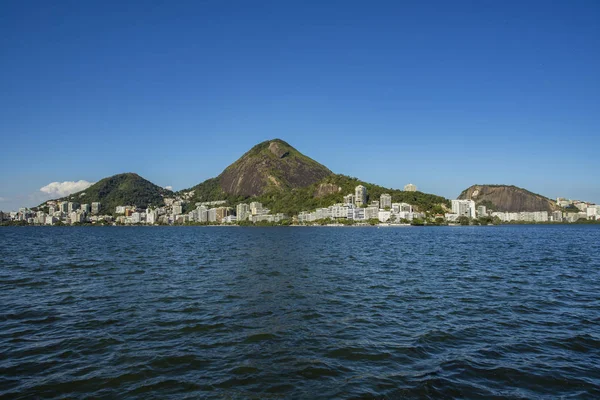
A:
<point x="122" y="189"/>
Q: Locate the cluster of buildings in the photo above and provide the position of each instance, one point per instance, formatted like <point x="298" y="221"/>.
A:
<point x="467" y="208"/>
<point x="355" y="208"/>
<point x="212" y="212"/>
<point x="66" y="212"/>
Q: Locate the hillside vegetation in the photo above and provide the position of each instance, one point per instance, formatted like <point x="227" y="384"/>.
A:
<point x="121" y="189"/>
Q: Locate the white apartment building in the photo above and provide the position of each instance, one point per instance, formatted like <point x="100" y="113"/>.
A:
<point x="356" y="213"/>
<point x="384" y="216"/>
<point x="481" y="211"/>
<point x="63" y="207"/>
<point x="349" y="199"/>
<point x="256" y="208"/>
<point x="151" y="216"/>
<point x="410" y="188"/>
<point x="243" y="212"/>
<point x="371" y="212"/>
<point x="464" y="208"/>
<point x="360" y="195"/>
<point x="385" y="201"/>
<point x="399" y="207"/>
<point x="212" y="215"/>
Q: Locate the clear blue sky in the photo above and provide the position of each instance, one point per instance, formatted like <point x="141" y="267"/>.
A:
<point x="441" y="94"/>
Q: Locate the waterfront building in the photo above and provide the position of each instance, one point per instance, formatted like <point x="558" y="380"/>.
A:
<point x="243" y="212"/>
<point x="399" y="207"/>
<point x="360" y="195"/>
<point x="222" y="213"/>
<point x="76" y="217"/>
<point x="51" y="210"/>
<point x="385" y="201"/>
<point x="230" y="219"/>
<point x="481" y="211"/>
<point x="86" y="208"/>
<point x="384" y="216"/>
<point x="96" y="206"/>
<point x="356" y="213"/>
<point x="63" y="207"/>
<point x="464" y="208"/>
<point x="151" y="216"/>
<point x="451" y="217"/>
<point x="557" y="216"/>
<point x="339" y="211"/>
<point x="212" y="215"/>
<point x="349" y="199"/>
<point x="136" y="218"/>
<point x="256" y="208"/>
<point x="592" y="211"/>
<point x="410" y="188"/>
<point x="371" y="212"/>
<point x="177" y="209"/>
<point x="72" y="206"/>
<point x="202" y="213"/>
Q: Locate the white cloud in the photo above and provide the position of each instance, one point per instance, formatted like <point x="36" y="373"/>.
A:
<point x="62" y="189"/>
<point x="169" y="188"/>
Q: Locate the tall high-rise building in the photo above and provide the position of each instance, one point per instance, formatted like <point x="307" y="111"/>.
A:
<point x="410" y="188"/>
<point x="96" y="208"/>
<point x="222" y="213"/>
<point x="349" y="199"/>
<point x="72" y="206"/>
<point x="464" y="208"/>
<point x="256" y="208"/>
<point x="360" y="194"/>
<point x="202" y="212"/>
<point x="212" y="215"/>
<point x="385" y="201"/>
<point x="177" y="209"/>
<point x="243" y="212"/>
<point x="481" y="211"/>
<point x="151" y="216"/>
<point x="86" y="207"/>
<point x="63" y="207"/>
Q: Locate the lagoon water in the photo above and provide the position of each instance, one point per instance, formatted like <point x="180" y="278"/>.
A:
<point x="314" y="313"/>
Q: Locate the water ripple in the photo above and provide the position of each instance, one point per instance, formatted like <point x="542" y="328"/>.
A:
<point x="315" y="313"/>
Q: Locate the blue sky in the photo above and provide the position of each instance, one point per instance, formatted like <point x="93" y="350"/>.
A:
<point x="441" y="94"/>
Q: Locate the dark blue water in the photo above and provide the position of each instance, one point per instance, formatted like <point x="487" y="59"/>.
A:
<point x="169" y="313"/>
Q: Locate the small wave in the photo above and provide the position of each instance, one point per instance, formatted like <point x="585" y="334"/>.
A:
<point x="358" y="354"/>
<point x="259" y="337"/>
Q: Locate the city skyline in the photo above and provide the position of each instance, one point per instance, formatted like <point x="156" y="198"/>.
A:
<point x="393" y="93"/>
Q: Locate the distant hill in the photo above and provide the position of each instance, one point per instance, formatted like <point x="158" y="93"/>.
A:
<point x="285" y="180"/>
<point x="507" y="198"/>
<point x="121" y="189"/>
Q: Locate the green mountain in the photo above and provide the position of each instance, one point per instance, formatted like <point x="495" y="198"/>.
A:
<point x="508" y="198"/>
<point x="285" y="180"/>
<point x="269" y="166"/>
<point x="119" y="190"/>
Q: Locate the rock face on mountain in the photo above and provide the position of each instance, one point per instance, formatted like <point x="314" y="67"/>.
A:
<point x="273" y="164"/>
<point x="122" y="189"/>
<point x="507" y="198"/>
